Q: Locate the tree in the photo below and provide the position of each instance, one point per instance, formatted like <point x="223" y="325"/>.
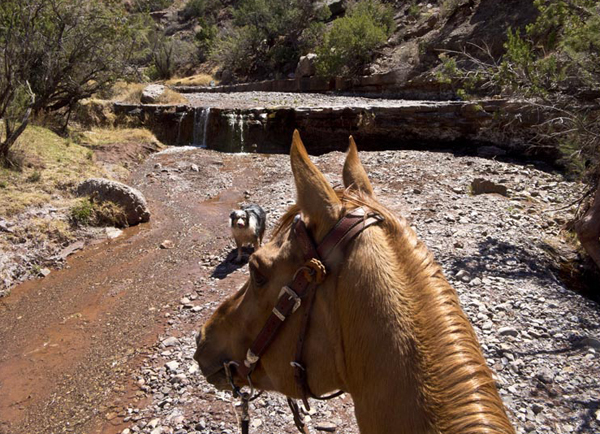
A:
<point x="350" y="43"/>
<point x="54" y="53"/>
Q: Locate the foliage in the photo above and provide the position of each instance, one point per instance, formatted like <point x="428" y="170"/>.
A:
<point x="266" y="35"/>
<point x="204" y="9"/>
<point x="553" y="64"/>
<point x="168" y="55"/>
<point x="88" y="212"/>
<point x="53" y="53"/>
<point x="142" y="6"/>
<point x="351" y="41"/>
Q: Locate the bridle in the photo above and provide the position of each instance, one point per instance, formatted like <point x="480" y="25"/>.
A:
<point x="319" y="262"/>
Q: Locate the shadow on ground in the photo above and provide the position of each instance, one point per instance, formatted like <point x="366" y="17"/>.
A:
<point x="229" y="265"/>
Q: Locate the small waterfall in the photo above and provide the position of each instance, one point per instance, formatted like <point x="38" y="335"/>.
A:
<point x="180" y="119"/>
<point x="241" y="123"/>
<point x="201" y="115"/>
<point x="237" y="125"/>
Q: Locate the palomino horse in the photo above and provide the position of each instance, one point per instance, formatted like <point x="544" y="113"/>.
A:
<point x="385" y="326"/>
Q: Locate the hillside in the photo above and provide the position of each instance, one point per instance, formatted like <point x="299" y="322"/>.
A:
<point x="422" y="32"/>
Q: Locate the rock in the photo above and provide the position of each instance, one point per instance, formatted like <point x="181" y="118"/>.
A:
<point x="130" y="199"/>
<point x="483" y="186"/>
<point x="306" y="66"/>
<point x="591" y="342"/>
<point x="194" y="168"/>
<point x="172" y="365"/>
<point x="167" y="244"/>
<point x="5" y="228"/>
<point x="112" y="233"/>
<point x="126" y="431"/>
<point x="69" y="250"/>
<point x="152" y="93"/>
<point x="44" y="272"/>
<point x="170" y="342"/>
<point x="508" y="331"/>
<point x="326" y="426"/>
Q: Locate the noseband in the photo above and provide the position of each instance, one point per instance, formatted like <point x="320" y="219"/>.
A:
<point x="319" y="262"/>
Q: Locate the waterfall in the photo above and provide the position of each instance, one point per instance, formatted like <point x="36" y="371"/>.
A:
<point x="236" y="124"/>
<point x="241" y="123"/>
<point x="201" y="115"/>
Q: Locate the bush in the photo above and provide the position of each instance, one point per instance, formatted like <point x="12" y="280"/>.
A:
<point x="82" y="212"/>
<point x="350" y="43"/>
<point x="266" y="35"/>
<point x="169" y="55"/>
<point x="89" y="213"/>
<point x="205" y="9"/>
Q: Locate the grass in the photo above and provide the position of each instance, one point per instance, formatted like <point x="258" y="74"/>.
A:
<point x="194" y="80"/>
<point x="86" y="212"/>
<point x="52" y="166"/>
<point x="132" y="93"/>
<point x="109" y="136"/>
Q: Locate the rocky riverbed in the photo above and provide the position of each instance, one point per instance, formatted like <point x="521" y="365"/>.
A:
<point x="540" y="338"/>
<point x="244" y="100"/>
<point x="106" y="345"/>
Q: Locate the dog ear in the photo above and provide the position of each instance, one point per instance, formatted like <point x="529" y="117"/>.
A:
<point x="232" y="215"/>
<point x="315" y="196"/>
<point x="354" y="174"/>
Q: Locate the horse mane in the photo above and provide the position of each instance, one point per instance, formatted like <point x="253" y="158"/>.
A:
<point x="457" y="387"/>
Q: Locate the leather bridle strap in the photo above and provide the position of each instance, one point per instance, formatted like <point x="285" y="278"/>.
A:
<point x="307" y="277"/>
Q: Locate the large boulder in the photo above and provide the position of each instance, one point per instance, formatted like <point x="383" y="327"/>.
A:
<point x="130" y="199"/>
<point x="152" y="93"/>
<point x="306" y="66"/>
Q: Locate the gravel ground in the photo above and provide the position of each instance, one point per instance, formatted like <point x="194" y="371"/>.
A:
<point x="541" y="339"/>
<point x="297" y="100"/>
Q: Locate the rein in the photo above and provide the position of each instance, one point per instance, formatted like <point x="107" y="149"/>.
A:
<point x="319" y="262"/>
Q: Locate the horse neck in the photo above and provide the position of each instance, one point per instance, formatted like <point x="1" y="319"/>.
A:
<point x="412" y="361"/>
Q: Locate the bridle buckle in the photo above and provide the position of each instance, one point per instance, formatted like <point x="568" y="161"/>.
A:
<point x="293" y="296"/>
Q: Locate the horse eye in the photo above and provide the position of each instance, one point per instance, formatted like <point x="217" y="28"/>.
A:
<point x="257" y="277"/>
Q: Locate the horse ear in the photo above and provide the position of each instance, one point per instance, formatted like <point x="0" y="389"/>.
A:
<point x="354" y="174"/>
<point x="315" y="197"/>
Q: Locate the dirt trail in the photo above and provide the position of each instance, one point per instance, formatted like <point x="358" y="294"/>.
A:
<point x="70" y="341"/>
<point x="83" y="351"/>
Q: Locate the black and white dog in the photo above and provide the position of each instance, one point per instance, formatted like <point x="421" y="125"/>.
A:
<point x="248" y="227"/>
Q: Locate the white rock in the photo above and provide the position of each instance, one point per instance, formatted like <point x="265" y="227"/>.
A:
<point x="172" y="365"/>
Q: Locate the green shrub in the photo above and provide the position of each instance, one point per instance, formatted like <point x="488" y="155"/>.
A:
<point x="91" y="213"/>
<point x="205" y="9"/>
<point x="82" y="212"/>
<point x="351" y="41"/>
<point x="267" y="35"/>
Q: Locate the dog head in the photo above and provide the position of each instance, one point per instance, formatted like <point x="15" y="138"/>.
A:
<point x="239" y="218"/>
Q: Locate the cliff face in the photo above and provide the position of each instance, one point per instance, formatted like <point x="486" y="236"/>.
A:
<point x="448" y="25"/>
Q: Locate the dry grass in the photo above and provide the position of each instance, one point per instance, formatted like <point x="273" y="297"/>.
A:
<point x="132" y="93"/>
<point x="52" y="166"/>
<point x="108" y="136"/>
<point x="194" y="80"/>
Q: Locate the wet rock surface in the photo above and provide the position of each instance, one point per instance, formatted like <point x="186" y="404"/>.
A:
<point x="538" y="337"/>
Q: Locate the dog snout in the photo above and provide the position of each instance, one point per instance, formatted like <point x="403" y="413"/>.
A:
<point x="240" y="224"/>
